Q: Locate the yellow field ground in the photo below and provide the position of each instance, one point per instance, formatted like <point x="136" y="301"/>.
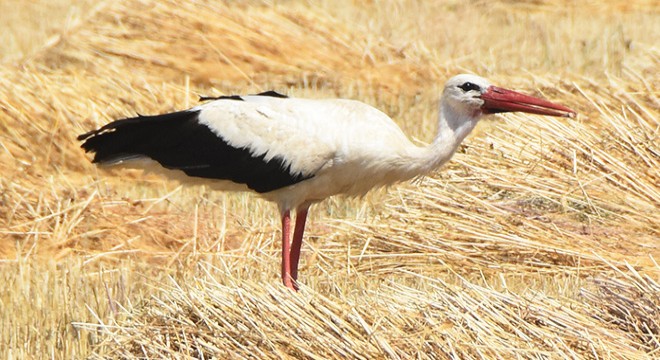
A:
<point x="540" y="239"/>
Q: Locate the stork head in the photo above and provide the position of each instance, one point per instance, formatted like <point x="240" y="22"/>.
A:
<point x="473" y="96"/>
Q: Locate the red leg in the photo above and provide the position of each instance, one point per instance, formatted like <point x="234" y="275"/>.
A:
<point x="286" y="253"/>
<point x="301" y="217"/>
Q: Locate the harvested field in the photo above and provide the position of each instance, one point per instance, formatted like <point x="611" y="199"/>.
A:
<point x="540" y="239"/>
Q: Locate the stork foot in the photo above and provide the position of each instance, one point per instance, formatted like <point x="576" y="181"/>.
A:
<point x="290" y="283"/>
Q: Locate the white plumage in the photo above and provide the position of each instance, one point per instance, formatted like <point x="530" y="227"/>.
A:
<point x="323" y="138"/>
<point x="296" y="152"/>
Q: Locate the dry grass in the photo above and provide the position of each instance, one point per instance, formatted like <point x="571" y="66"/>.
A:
<point x="538" y="240"/>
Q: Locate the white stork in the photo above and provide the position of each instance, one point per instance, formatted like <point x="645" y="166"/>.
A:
<point x="296" y="152"/>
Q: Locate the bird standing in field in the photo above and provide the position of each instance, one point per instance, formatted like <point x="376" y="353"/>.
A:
<point x="296" y="152"/>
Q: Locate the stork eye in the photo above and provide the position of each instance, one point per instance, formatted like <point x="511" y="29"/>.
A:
<point x="469" y="86"/>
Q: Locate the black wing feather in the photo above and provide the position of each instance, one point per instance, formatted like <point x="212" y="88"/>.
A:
<point x="270" y="93"/>
<point x="178" y="141"/>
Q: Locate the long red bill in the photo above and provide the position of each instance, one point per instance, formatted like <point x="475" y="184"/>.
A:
<point x="497" y="99"/>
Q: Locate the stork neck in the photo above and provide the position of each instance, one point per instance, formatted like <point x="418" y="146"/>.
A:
<point x="453" y="127"/>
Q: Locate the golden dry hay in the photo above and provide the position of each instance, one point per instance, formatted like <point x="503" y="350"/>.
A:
<point x="539" y="239"/>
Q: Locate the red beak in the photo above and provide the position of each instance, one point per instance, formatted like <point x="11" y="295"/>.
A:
<point x="497" y="99"/>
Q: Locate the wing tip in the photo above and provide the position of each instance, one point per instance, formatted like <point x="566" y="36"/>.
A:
<point x="87" y="135"/>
